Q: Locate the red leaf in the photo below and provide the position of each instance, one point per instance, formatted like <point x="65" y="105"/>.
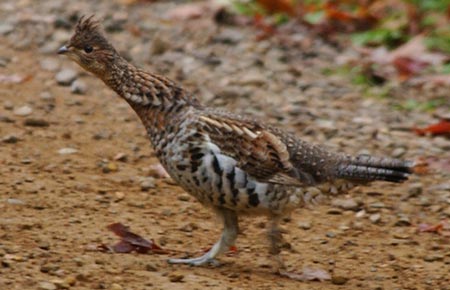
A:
<point x="14" y="78"/>
<point x="440" y="128"/>
<point x="407" y="66"/>
<point x="441" y="228"/>
<point x="277" y="6"/>
<point x="130" y="242"/>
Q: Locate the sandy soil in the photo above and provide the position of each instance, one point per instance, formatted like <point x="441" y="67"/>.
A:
<point x="54" y="208"/>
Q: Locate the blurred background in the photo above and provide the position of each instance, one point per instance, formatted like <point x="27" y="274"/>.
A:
<point x="356" y="76"/>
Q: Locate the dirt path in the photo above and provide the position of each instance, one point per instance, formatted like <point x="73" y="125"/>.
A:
<point x="55" y="206"/>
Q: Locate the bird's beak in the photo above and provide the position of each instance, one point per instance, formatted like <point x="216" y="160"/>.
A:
<point x="63" y="49"/>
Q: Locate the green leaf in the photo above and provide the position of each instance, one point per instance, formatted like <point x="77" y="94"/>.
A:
<point x="378" y="37"/>
<point x="315" y="17"/>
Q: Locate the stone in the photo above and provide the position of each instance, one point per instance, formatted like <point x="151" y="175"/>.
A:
<point x="6" y="28"/>
<point x="66" y="76"/>
<point x="115" y="286"/>
<point x="49" y="64"/>
<point x="184" y="197"/>
<point x="339" y="280"/>
<point x="304" y="225"/>
<point x="151" y="267"/>
<point x="67" y="151"/>
<point x="375" y="218"/>
<point x="176" y="277"/>
<point x="334" y="211"/>
<point x="31" y="122"/>
<point x="8" y="105"/>
<point x="78" y="87"/>
<point x="15" y="201"/>
<point x="398" y="152"/>
<point x="46" y="96"/>
<point x="147" y="183"/>
<point x="44" y="245"/>
<point x="110" y="167"/>
<point x="46" y="286"/>
<point x="345" y="204"/>
<point x="159" y="45"/>
<point x="403" y="221"/>
<point x="23" y="111"/>
<point x="10" y="139"/>
<point x="433" y="258"/>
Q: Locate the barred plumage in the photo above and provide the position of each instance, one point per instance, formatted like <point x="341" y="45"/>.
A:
<point x="234" y="164"/>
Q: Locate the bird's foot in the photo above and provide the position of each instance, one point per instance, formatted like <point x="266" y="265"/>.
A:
<point x="199" y="261"/>
<point x="307" y="274"/>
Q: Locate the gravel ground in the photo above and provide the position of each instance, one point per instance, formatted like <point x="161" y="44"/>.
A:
<point x="74" y="159"/>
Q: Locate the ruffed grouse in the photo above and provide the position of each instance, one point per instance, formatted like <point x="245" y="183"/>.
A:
<point x="230" y="163"/>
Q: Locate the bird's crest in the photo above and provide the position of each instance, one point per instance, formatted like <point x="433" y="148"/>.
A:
<point x="88" y="31"/>
<point x="87" y="25"/>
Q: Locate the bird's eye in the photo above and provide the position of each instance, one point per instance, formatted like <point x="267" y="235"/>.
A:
<point x="88" y="49"/>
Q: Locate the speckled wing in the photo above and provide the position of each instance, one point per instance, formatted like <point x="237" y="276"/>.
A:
<point x="259" y="152"/>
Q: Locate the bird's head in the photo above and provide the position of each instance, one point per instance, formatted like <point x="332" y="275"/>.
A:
<point x="89" y="48"/>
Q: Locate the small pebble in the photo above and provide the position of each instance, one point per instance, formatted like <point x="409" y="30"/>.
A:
<point x="6" y="28"/>
<point x="398" y="152"/>
<point x="10" y="139"/>
<point x="36" y="122"/>
<point x="184" y="197"/>
<point x="44" y="245"/>
<point x="115" y="286"/>
<point x="147" y="183"/>
<point x="78" y="87"/>
<point x="23" y="111"/>
<point x="375" y="218"/>
<point x="46" y="96"/>
<point x="119" y="195"/>
<point x="338" y="280"/>
<point x="46" y="286"/>
<point x="66" y="76"/>
<point x="345" y="204"/>
<point x="176" y="277"/>
<point x="305" y="225"/>
<point x="110" y="167"/>
<point x="67" y="151"/>
<point x="151" y="267"/>
<point x="8" y="105"/>
<point x="433" y="258"/>
<point x="15" y="201"/>
<point x="334" y="211"/>
<point x="330" y="235"/>
<point x="49" y="64"/>
<point x="403" y="221"/>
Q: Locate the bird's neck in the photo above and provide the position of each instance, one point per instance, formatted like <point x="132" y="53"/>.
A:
<point x="142" y="89"/>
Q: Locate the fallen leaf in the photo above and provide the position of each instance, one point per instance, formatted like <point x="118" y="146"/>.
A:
<point x="14" y="78"/>
<point x="441" y="228"/>
<point x="440" y="128"/>
<point x="192" y="10"/>
<point x="407" y="67"/>
<point x="278" y="6"/>
<point x="130" y="242"/>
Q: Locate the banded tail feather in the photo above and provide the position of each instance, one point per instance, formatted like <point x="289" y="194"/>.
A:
<point x="368" y="168"/>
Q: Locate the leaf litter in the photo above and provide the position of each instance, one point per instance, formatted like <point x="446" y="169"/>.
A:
<point x="130" y="242"/>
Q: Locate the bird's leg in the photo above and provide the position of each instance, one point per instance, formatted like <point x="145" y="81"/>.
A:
<point x="276" y="239"/>
<point x="276" y="242"/>
<point x="227" y="239"/>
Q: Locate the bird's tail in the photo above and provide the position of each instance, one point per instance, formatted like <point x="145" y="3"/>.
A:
<point x="365" y="168"/>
